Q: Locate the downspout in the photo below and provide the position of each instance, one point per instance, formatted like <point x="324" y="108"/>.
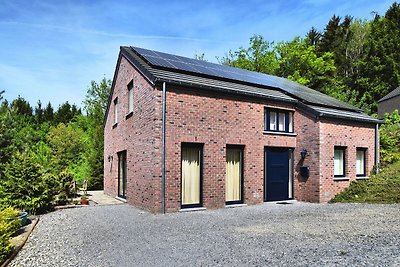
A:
<point x="164" y="92"/>
<point x="377" y="148"/>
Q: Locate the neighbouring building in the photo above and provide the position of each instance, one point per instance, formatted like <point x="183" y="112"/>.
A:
<point x="389" y="103"/>
<point x="181" y="133"/>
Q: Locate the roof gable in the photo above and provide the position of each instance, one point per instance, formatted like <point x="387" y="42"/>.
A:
<point x="394" y="93"/>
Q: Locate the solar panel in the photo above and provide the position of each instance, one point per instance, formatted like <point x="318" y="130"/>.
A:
<point x="169" y="61"/>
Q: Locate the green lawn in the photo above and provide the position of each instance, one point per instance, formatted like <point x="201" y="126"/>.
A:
<point x="381" y="188"/>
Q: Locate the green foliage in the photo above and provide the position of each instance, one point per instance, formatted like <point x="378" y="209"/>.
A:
<point x="7" y="228"/>
<point x="22" y="107"/>
<point x="299" y="62"/>
<point x="390" y="139"/>
<point x="381" y="188"/>
<point x="66" y="145"/>
<point x="260" y="56"/>
<point x="95" y="105"/>
<point x="24" y="186"/>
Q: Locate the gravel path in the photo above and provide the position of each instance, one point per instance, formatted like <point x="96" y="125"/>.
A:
<point x="299" y="234"/>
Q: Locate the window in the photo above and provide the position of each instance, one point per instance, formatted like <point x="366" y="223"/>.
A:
<point x="130" y="97"/>
<point x="234" y="175"/>
<point x="116" y="110"/>
<point x="339" y="162"/>
<point x="278" y="121"/>
<point x="191" y="192"/>
<point x="360" y="162"/>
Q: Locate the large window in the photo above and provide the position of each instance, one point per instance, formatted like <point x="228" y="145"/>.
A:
<point x="130" y="97"/>
<point x="339" y="161"/>
<point x="278" y="121"/>
<point x="360" y="162"/>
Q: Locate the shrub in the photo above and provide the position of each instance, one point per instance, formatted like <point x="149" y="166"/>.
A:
<point x="7" y="228"/>
<point x="383" y="187"/>
<point x="24" y="187"/>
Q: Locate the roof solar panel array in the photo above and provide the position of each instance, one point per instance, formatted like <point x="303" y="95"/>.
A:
<point x="179" y="63"/>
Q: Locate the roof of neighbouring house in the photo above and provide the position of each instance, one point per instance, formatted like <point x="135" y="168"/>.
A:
<point x="162" y="67"/>
<point x="394" y="93"/>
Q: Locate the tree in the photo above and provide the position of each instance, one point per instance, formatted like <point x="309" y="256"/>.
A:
<point x="39" y="112"/>
<point x="66" y="145"/>
<point x="24" y="186"/>
<point x="260" y="56"/>
<point x="95" y="106"/>
<point x="48" y="113"/>
<point x="299" y="62"/>
<point x="313" y="37"/>
<point x="21" y="107"/>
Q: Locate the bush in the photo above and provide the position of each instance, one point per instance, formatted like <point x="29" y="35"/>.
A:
<point x="383" y="187"/>
<point x="24" y="187"/>
<point x="7" y="228"/>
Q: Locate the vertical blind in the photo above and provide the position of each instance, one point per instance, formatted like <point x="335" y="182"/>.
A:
<point x="233" y="172"/>
<point x="190" y="175"/>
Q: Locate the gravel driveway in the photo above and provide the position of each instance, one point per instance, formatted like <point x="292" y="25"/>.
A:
<point x="299" y="234"/>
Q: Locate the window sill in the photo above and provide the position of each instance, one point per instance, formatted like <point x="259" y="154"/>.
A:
<point x="192" y="209"/>
<point x="230" y="206"/>
<point x="341" y="179"/>
<point x="362" y="177"/>
<point x="279" y="133"/>
<point x="127" y="116"/>
<point x="115" y="125"/>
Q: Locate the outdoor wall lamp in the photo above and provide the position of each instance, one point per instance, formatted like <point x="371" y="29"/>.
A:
<point x="303" y="153"/>
<point x="110" y="158"/>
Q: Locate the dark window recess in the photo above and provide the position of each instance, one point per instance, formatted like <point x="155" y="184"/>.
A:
<point x="361" y="156"/>
<point x="278" y="121"/>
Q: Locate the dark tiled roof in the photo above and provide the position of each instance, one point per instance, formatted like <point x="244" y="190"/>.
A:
<point x="248" y="83"/>
<point x="392" y="94"/>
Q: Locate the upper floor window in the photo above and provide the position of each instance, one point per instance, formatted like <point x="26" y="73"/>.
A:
<point x="278" y="120"/>
<point x="360" y="162"/>
<point x="130" y="97"/>
<point x="339" y="162"/>
<point x="116" y="110"/>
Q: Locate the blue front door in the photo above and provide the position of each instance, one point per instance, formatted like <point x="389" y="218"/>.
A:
<point x="277" y="174"/>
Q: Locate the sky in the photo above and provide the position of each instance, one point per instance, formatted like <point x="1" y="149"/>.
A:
<point x="51" y="50"/>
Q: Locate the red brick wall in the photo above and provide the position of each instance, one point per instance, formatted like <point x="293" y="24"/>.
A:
<point x="307" y="129"/>
<point x="217" y="120"/>
<point x="350" y="135"/>
<point x="139" y="135"/>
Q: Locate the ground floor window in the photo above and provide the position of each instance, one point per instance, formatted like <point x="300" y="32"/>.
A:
<point x="191" y="190"/>
<point x="234" y="175"/>
<point x="339" y="162"/>
<point x="360" y="162"/>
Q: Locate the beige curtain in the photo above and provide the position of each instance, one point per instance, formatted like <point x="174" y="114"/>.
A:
<point x="190" y="175"/>
<point x="233" y="171"/>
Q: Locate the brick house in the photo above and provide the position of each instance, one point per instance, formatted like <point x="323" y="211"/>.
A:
<point x="389" y="103"/>
<point x="181" y="133"/>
